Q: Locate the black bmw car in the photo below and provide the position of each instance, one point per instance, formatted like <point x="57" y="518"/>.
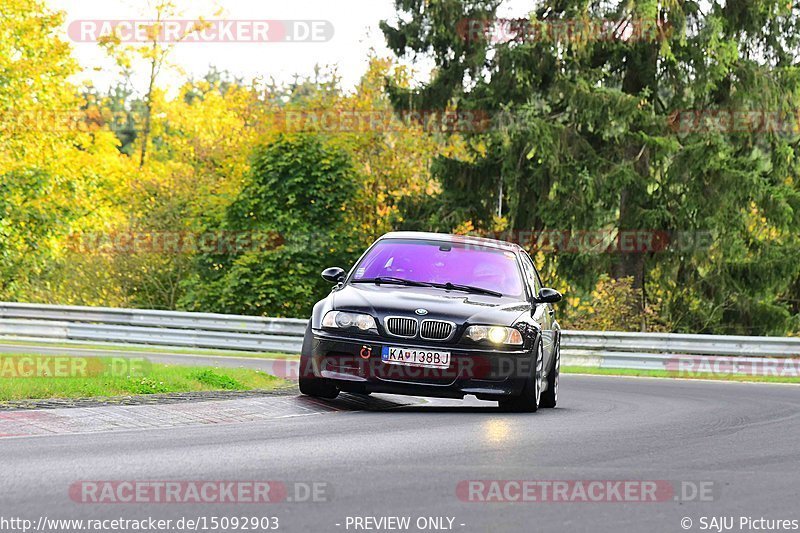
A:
<point x="429" y="314"/>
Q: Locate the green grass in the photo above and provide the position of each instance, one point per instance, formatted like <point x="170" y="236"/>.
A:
<point x="681" y="375"/>
<point x="153" y="379"/>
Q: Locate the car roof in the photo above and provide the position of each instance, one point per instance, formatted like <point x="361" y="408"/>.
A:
<point x="447" y="237"/>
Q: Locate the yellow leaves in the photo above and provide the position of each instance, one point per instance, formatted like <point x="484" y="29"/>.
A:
<point x="759" y="227"/>
<point x="499" y="224"/>
<point x="465" y="228"/>
<point x="35" y="96"/>
<point x="613" y="305"/>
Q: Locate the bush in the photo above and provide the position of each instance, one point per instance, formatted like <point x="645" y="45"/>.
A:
<point x="306" y="193"/>
<point x="614" y="305"/>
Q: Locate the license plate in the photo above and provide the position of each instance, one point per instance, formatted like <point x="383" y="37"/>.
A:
<point x="414" y="357"/>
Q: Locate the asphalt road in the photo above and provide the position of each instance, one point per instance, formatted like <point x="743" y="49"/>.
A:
<point x="391" y="459"/>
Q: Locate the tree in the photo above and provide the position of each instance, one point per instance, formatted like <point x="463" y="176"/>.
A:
<point x="154" y="52"/>
<point x="593" y="142"/>
<point x="58" y="170"/>
<point x="36" y="101"/>
<point x="294" y="214"/>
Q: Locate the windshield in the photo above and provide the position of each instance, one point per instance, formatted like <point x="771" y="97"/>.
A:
<point x="442" y="262"/>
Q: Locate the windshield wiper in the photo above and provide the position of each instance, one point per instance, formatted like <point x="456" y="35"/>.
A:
<point x="447" y="286"/>
<point x="396" y="281"/>
<point x="468" y="288"/>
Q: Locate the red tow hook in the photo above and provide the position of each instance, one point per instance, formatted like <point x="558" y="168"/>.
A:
<point x="366" y="352"/>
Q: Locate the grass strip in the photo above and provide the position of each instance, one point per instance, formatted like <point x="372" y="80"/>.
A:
<point x="679" y="375"/>
<point x="29" y="377"/>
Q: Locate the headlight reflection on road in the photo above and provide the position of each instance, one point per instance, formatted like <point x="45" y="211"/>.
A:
<point x="496" y="431"/>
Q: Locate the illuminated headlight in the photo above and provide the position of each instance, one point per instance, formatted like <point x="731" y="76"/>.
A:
<point x="345" y="320"/>
<point x="494" y="334"/>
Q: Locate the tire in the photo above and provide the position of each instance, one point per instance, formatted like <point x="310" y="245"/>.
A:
<point x="528" y="401"/>
<point x="550" y="396"/>
<point x="311" y="385"/>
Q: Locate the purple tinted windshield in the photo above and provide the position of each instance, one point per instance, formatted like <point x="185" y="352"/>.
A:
<point x="442" y="262"/>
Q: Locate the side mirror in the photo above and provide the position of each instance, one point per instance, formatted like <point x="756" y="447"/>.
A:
<point x="334" y="274"/>
<point x="548" y="296"/>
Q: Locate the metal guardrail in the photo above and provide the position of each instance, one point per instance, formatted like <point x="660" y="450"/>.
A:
<point x="59" y="323"/>
<point x="72" y="324"/>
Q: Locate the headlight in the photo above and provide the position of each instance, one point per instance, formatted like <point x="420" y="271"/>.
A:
<point x="345" y="320"/>
<point x="494" y="334"/>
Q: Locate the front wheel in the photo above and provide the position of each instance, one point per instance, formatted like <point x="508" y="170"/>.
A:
<point x="550" y="396"/>
<point x="311" y="385"/>
<point x="528" y="401"/>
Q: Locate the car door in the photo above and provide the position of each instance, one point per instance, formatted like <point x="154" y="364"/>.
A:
<point x="543" y="314"/>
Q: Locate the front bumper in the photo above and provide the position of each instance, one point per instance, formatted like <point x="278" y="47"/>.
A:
<point x="355" y="365"/>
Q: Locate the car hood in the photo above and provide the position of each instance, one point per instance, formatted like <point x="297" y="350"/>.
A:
<point x="460" y="307"/>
